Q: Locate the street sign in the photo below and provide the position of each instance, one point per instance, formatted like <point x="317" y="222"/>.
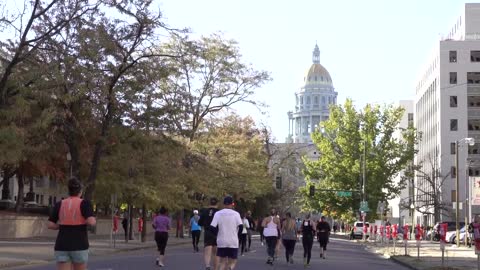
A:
<point x="344" y="193"/>
<point x="364" y="206"/>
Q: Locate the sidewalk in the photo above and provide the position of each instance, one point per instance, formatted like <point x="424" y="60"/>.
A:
<point x="29" y="251"/>
<point x="455" y="258"/>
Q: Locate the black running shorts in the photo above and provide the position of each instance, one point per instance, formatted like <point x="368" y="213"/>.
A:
<point x="210" y="239"/>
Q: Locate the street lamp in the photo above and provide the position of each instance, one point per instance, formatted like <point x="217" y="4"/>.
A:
<point x="69" y="159"/>
<point x="471" y="142"/>
<point x="412" y="208"/>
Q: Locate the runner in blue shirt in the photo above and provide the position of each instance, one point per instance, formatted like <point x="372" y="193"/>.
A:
<point x="195" y="230"/>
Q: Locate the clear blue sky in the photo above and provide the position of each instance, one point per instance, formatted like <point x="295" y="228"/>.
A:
<point x="373" y="50"/>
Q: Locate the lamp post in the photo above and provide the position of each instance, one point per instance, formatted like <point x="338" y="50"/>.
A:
<point x="69" y="158"/>
<point x="469" y="141"/>
<point x="467" y="197"/>
<point x="412" y="207"/>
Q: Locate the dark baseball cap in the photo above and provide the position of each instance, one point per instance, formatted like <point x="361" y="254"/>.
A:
<point x="228" y="200"/>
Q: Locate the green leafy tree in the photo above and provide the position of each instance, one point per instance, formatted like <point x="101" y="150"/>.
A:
<point x="345" y="141"/>
<point x="237" y="163"/>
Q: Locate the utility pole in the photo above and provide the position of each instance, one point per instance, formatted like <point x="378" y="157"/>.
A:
<point x="364" y="164"/>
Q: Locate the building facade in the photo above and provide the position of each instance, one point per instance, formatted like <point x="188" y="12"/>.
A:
<point x="312" y="101"/>
<point x="400" y="207"/>
<point x="447" y="110"/>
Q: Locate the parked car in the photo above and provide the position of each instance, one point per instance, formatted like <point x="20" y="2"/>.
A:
<point x="357" y="230"/>
<point x="453" y="237"/>
<point x="451" y="230"/>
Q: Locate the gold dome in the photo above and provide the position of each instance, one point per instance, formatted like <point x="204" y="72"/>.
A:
<point x="317" y="74"/>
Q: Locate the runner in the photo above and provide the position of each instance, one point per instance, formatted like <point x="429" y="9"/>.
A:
<point x="242" y="235"/>
<point x="161" y="224"/>
<point x="195" y="230"/>
<point x="210" y="233"/>
<point x="71" y="217"/>
<point x="228" y="222"/>
<point x="271" y="225"/>
<point x="308" y="233"/>
<point x="251" y="229"/>
<point x="289" y="237"/>
<point x="323" y="232"/>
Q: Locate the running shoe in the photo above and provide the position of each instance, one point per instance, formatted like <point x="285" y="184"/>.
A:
<point x="291" y="260"/>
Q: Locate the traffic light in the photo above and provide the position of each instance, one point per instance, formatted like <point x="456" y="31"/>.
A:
<point x="312" y="191"/>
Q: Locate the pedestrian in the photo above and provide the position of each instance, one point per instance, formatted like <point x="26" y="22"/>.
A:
<point x="308" y="233"/>
<point x="228" y="223"/>
<point x="161" y="224"/>
<point x="125" y="225"/>
<point x="195" y="230"/>
<point x="251" y="229"/>
<point x="323" y="233"/>
<point x="242" y="235"/>
<point x="70" y="217"/>
<point x="271" y="225"/>
<point x="343" y="227"/>
<point x="289" y="236"/>
<point x="209" y="233"/>
<point x="335" y="227"/>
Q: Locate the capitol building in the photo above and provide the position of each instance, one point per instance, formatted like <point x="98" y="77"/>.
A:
<point x="312" y="101"/>
<point x="311" y="107"/>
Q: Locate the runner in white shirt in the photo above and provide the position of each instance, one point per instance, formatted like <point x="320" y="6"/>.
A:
<point x="271" y="226"/>
<point x="229" y="223"/>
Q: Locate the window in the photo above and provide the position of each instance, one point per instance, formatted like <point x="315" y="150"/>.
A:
<point x="453" y="124"/>
<point x="315" y="78"/>
<point x="453" y="56"/>
<point x="453" y="195"/>
<point x="453" y="78"/>
<point x="301" y="100"/>
<point x="475" y="56"/>
<point x="453" y="172"/>
<point x="278" y="182"/>
<point x="453" y="101"/>
<point x="452" y="148"/>
<point x="473" y="77"/>
<point x="308" y="100"/>
<point x="315" y="100"/>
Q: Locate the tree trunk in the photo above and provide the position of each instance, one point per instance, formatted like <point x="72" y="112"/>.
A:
<point x="71" y="141"/>
<point x="7" y="174"/>
<point x="19" y="204"/>
<point x="144" y="218"/>
<point x="130" y="222"/>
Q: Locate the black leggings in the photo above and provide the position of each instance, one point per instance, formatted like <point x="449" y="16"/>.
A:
<point x="161" y="238"/>
<point x="195" y="238"/>
<point x="307" y="242"/>
<point x="243" y="242"/>
<point x="289" y="248"/>
<point x="271" y="244"/>
<point x="249" y="238"/>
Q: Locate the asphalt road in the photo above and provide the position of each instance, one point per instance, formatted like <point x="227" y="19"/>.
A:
<point x="341" y="254"/>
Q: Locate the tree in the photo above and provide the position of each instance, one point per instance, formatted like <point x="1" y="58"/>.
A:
<point x="428" y="198"/>
<point x="32" y="27"/>
<point x="207" y="78"/>
<point x="233" y="148"/>
<point x="345" y="141"/>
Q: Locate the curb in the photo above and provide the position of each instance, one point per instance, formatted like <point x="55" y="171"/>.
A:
<point x="394" y="259"/>
<point x="15" y="265"/>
